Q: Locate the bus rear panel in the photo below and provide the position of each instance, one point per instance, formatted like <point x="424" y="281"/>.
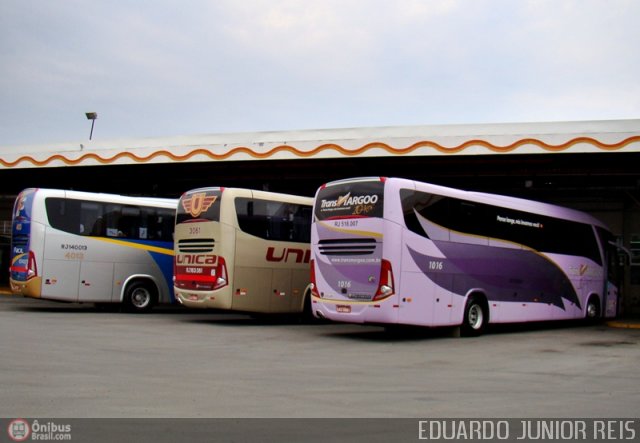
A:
<point x="352" y="272"/>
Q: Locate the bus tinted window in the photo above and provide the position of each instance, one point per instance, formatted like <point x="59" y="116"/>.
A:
<point x="64" y="215"/>
<point x="159" y="223"/>
<point x="352" y="199"/>
<point x="199" y="205"/>
<point x="542" y="233"/>
<point x="273" y="220"/>
<point x="99" y="219"/>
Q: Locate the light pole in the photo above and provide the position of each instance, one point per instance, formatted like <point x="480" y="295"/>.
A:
<point x="91" y="116"/>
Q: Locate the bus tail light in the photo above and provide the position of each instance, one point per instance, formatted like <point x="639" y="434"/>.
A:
<point x="386" y="286"/>
<point x="198" y="277"/>
<point x="18" y="266"/>
<point x="175" y="271"/>
<point x="314" y="286"/>
<point x="32" y="269"/>
<point x="220" y="273"/>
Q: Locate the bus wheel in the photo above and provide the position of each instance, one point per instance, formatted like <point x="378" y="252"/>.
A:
<point x="475" y="318"/>
<point x="140" y="296"/>
<point x="593" y="309"/>
<point x="307" y="310"/>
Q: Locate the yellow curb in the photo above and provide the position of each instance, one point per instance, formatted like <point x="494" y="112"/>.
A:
<point x="622" y="324"/>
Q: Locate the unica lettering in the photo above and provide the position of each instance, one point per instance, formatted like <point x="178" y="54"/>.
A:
<point x="288" y="255"/>
<point x="196" y="259"/>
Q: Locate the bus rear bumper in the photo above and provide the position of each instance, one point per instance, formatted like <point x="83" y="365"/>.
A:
<point x="29" y="288"/>
<point x="200" y="300"/>
<point x="353" y="312"/>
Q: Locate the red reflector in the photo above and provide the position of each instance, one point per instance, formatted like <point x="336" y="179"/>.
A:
<point x="314" y="286"/>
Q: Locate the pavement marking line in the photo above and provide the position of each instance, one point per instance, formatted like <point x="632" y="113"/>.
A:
<point x="624" y="324"/>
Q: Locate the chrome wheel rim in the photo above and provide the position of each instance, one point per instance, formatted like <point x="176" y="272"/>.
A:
<point x="475" y="317"/>
<point x="592" y="310"/>
<point x="140" y="298"/>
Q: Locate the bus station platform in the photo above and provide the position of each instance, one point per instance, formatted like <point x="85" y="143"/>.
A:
<point x="625" y="323"/>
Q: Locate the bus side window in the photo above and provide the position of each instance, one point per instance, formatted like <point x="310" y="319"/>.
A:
<point x="280" y="221"/>
<point x="301" y="230"/>
<point x="129" y="223"/>
<point x="98" y="228"/>
<point x="248" y="220"/>
<point x="112" y="219"/>
<point x="160" y="225"/>
<point x="64" y="214"/>
<point x="91" y="222"/>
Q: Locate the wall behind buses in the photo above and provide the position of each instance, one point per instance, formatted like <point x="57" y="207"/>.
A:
<point x="84" y="247"/>
<point x="243" y="250"/>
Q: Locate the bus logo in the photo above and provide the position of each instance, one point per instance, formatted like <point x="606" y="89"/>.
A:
<point x="349" y="201"/>
<point x="198" y="203"/>
<point x="343" y="199"/>
<point x="19" y="430"/>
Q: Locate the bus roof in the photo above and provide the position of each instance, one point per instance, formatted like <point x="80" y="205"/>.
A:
<point x="258" y="194"/>
<point x="104" y="197"/>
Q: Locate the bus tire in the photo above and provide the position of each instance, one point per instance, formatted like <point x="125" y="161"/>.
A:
<point x="307" y="309"/>
<point x="140" y="296"/>
<point x="476" y="317"/>
<point x="592" y="312"/>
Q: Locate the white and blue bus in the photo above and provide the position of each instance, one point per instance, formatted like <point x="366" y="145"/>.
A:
<point x="396" y="251"/>
<point x="96" y="248"/>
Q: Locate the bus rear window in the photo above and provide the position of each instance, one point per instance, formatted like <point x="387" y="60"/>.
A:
<point x="350" y="199"/>
<point x="199" y="205"/>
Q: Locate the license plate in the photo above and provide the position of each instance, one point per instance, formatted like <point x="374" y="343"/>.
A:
<point x="345" y="309"/>
<point x="193" y="297"/>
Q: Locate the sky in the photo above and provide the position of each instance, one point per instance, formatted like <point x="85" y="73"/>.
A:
<point x="187" y="67"/>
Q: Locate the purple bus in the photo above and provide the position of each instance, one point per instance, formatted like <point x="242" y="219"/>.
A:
<point x="396" y="251"/>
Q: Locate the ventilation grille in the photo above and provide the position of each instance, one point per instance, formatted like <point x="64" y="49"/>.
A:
<point x="355" y="246"/>
<point x="196" y="245"/>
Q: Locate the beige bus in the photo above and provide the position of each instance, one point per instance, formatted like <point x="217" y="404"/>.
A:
<point x="243" y="250"/>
